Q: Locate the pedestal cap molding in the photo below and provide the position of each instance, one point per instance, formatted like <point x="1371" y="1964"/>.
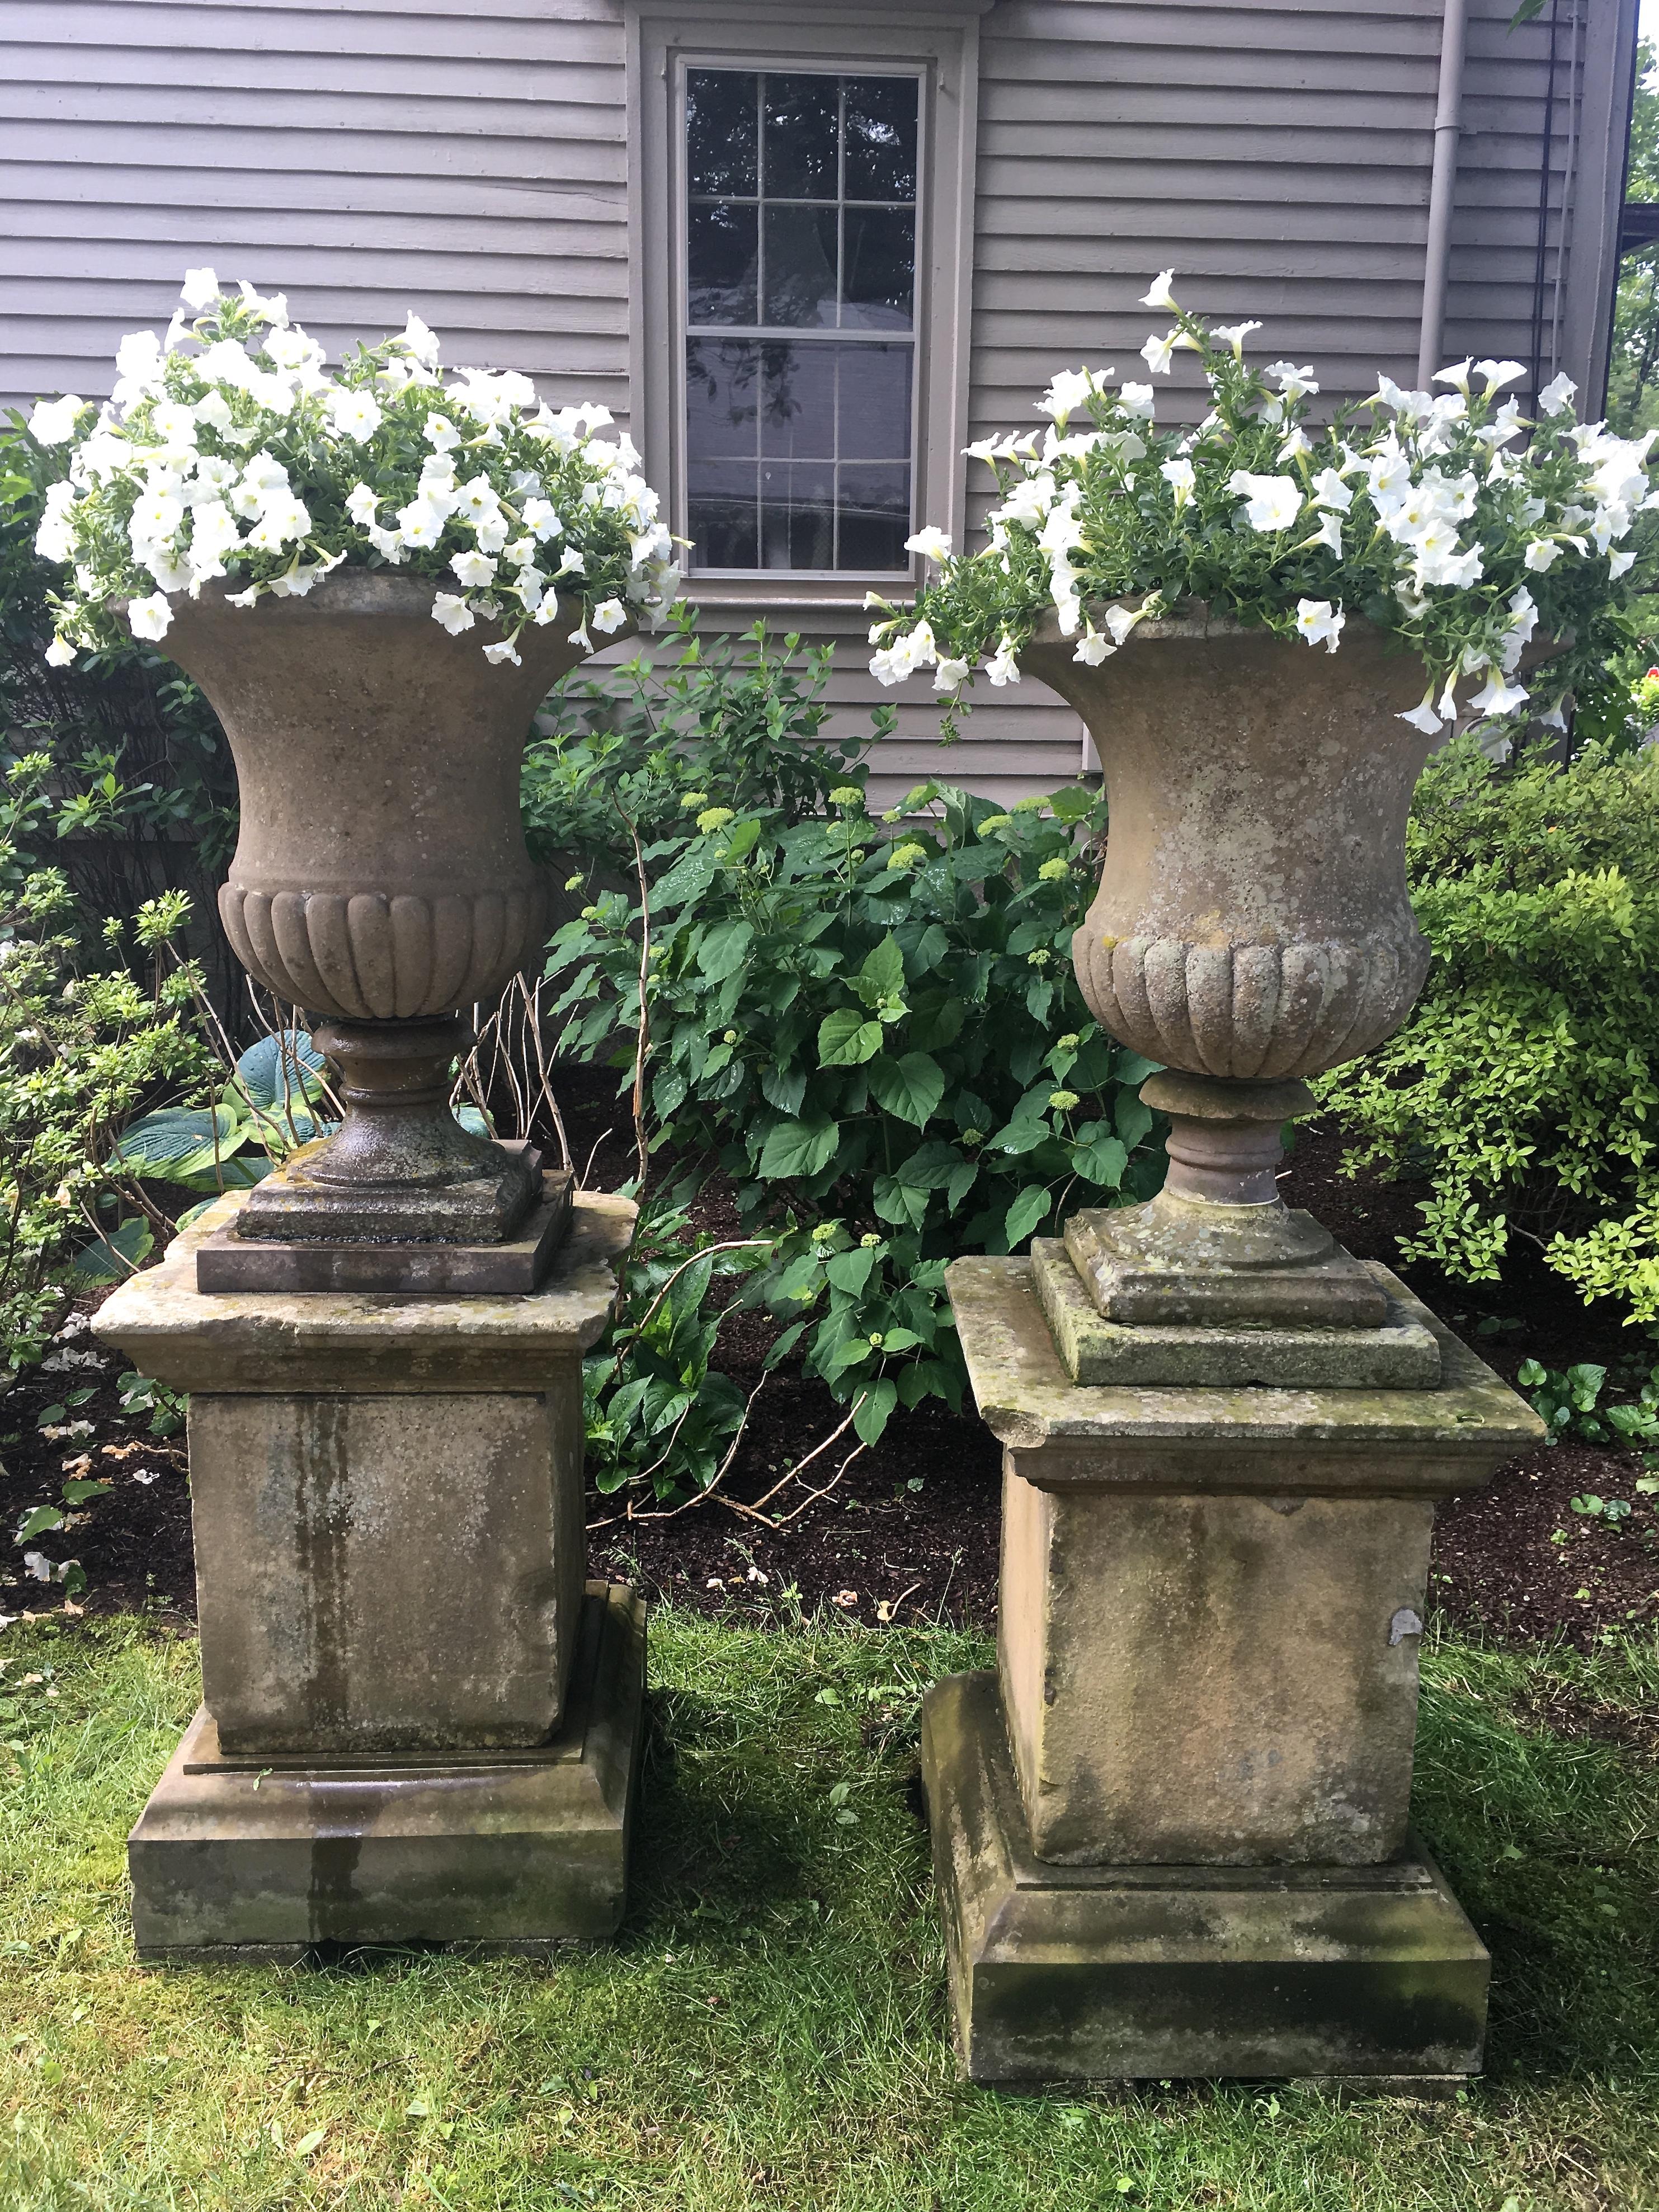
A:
<point x="369" y="1342"/>
<point x="1337" y="1442"/>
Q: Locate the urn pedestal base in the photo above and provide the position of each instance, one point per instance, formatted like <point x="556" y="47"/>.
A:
<point x="1368" y="1976"/>
<point x="419" y="1719"/>
<point x="1172" y="1832"/>
<point x="268" y="1857"/>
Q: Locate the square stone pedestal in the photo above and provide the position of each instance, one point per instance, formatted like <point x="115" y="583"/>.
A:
<point x="1172" y="1834"/>
<point x="391" y="1571"/>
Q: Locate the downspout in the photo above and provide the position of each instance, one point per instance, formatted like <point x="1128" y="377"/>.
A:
<point x="1442" y="185"/>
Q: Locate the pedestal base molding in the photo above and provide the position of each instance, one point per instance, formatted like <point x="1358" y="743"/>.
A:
<point x="1369" y="1976"/>
<point x="517" y="1850"/>
<point x="1399" y="1354"/>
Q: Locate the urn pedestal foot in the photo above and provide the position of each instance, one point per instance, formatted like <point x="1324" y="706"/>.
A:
<point x="504" y="1849"/>
<point x="1371" y="1976"/>
<point x="1172" y="1832"/>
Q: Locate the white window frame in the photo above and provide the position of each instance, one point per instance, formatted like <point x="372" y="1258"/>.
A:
<point x="938" y="44"/>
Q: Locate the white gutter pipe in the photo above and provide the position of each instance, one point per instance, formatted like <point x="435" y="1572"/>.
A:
<point x="1443" y="187"/>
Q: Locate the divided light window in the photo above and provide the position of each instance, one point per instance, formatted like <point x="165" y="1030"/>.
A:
<point x="800" y="316"/>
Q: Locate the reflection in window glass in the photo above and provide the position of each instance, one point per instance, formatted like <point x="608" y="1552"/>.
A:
<point x="801" y="218"/>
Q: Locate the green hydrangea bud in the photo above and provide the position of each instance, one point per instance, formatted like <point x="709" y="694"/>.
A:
<point x="1062" y="1101"/>
<point x="869" y="1238"/>
<point x="824" y="1232"/>
<point x="906" y="855"/>
<point x="730" y="1037"/>
<point x="1053" y="870"/>
<point x="573" y="882"/>
<point x="692" y="800"/>
<point x="847" y="794"/>
<point x="875" y="1338"/>
<point x="1069" y="1042"/>
<point x="1040" y="959"/>
<point x="973" y="1136"/>
<point x="714" y="818"/>
<point x="996" y="822"/>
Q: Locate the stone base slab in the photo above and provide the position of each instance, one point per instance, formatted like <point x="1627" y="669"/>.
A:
<point x="518" y="1266"/>
<point x="1367" y="1976"/>
<point x="1400" y="1355"/>
<point x="517" y="1852"/>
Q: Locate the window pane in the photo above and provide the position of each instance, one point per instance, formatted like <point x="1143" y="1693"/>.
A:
<point x="875" y="516"/>
<point x="800" y="266"/>
<point x="801" y="125"/>
<point x="721" y="120"/>
<point x="881" y="138"/>
<point x="721" y="398"/>
<point x="721" y="518"/>
<point x="878" y="280"/>
<point x="798" y="514"/>
<point x="798" y="402"/>
<point x="721" y="263"/>
<point x="874" y="403"/>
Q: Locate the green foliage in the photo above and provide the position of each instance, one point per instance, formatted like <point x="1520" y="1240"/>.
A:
<point x="83" y="1047"/>
<point x="656" y="1412"/>
<point x="649" y="743"/>
<point x="882" y="1044"/>
<point x="1632" y="395"/>
<point x="1569" y="1404"/>
<point x="167" y="1408"/>
<point x="1525" y="1084"/>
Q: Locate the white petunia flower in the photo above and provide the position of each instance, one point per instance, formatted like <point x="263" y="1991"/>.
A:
<point x="354" y="413"/>
<point x="1071" y="389"/>
<point x="361" y="505"/>
<point x="932" y="544"/>
<point x="1294" y="383"/>
<point x="1092" y="647"/>
<point x="1234" y="334"/>
<point x="1003" y="668"/>
<point x="199" y="290"/>
<point x="453" y="611"/>
<point x="538" y="515"/>
<point x="1498" y="373"/>
<point x="52" y="421"/>
<point x="573" y="564"/>
<point x="1329" y="532"/>
<point x="441" y="435"/>
<point x="1160" y="295"/>
<point x="1556" y="395"/>
<point x="1541" y="554"/>
<point x="1619" y="563"/>
<point x="420" y="523"/>
<point x="949" y="674"/>
<point x="212" y="411"/>
<point x="1319" y="623"/>
<point x="1457" y="375"/>
<point x="1137" y="401"/>
<point x="1497" y="696"/>
<point x="610" y="615"/>
<point x="506" y="651"/>
<point x="59" y="653"/>
<point x="1271" y="502"/>
<point x="475" y="570"/>
<point x="1423" y="718"/>
<point x="420" y="342"/>
<point x="1158" y="353"/>
<point x="1179" y="476"/>
<point x="149" y="618"/>
<point x="1329" y="490"/>
<point x="1121" y="620"/>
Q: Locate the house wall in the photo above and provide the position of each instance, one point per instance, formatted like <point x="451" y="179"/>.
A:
<point x="471" y="158"/>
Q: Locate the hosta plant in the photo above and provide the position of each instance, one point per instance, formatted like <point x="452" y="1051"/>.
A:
<point x="227" y="449"/>
<point x="1445" y="518"/>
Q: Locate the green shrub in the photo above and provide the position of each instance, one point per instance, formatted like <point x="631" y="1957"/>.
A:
<point x="1526" y="1083"/>
<point x="880" y="1040"/>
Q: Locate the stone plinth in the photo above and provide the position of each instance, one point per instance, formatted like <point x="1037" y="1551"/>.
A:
<point x="390" y="1565"/>
<point x="1211" y="1599"/>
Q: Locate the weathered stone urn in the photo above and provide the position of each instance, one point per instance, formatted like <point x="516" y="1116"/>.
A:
<point x="1252" y="928"/>
<point x="381" y="883"/>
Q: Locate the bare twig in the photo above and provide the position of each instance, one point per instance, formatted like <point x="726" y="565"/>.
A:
<point x="702" y="1497"/>
<point x="641" y="1144"/>
<point x="813" y="1496"/>
<point x="582" y="1181"/>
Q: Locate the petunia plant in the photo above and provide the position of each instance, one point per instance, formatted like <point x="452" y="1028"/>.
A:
<point x="229" y="450"/>
<point x="1447" y="518"/>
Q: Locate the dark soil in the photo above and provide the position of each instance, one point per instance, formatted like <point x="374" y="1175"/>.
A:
<point x="909" y="1529"/>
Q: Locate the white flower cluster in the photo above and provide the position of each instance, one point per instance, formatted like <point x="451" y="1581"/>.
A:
<point x="227" y="449"/>
<point x="1412" y="504"/>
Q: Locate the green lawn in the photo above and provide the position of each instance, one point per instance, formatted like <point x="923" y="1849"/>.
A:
<point x="769" y="2032"/>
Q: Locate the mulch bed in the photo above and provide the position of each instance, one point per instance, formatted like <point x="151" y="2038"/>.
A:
<point x="909" y="1531"/>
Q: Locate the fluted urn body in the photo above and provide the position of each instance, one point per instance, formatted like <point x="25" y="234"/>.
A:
<point x="1252" y="919"/>
<point x="1252" y="928"/>
<point x="380" y="879"/>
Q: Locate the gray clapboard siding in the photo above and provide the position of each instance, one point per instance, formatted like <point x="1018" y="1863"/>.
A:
<point x="471" y="161"/>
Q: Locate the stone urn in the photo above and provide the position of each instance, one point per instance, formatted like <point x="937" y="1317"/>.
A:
<point x="1252" y="928"/>
<point x="381" y="883"/>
